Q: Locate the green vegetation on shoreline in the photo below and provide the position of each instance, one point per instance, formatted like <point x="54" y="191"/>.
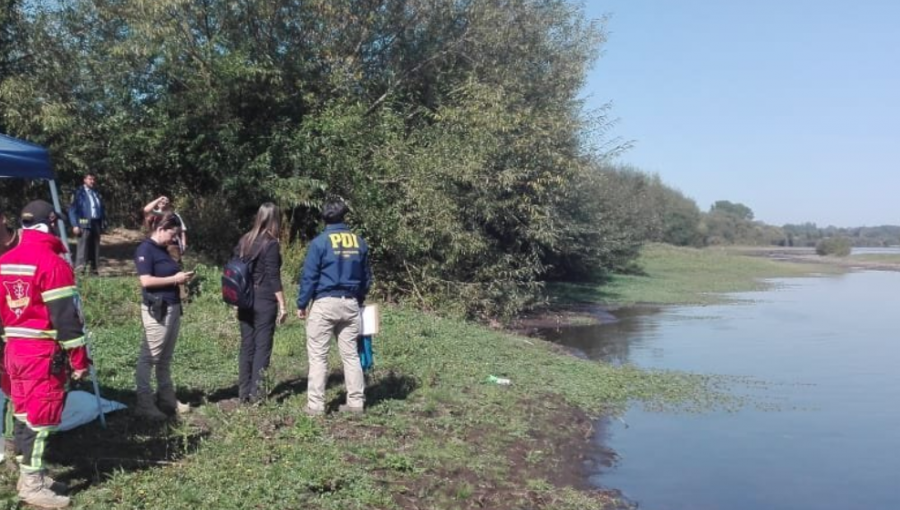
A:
<point x="878" y="257"/>
<point x="437" y="435"/>
<point x="676" y="275"/>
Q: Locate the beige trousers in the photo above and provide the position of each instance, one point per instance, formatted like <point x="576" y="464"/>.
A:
<point x="157" y="349"/>
<point x="338" y="316"/>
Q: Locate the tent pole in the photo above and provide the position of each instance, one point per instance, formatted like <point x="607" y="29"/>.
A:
<point x="63" y="233"/>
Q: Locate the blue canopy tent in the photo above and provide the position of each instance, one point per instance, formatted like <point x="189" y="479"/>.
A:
<point x="23" y="160"/>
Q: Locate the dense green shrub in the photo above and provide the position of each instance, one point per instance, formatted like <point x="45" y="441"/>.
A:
<point x="836" y="246"/>
<point x="454" y="129"/>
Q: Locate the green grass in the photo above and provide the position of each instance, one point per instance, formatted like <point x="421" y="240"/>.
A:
<point x="674" y="275"/>
<point x="878" y="257"/>
<point x="436" y="434"/>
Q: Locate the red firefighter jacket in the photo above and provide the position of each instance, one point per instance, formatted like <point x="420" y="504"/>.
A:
<point x="38" y="297"/>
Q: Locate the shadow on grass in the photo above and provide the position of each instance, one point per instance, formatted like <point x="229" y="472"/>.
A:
<point x="196" y="397"/>
<point x="390" y="386"/>
<point x="89" y="454"/>
<point x="379" y="387"/>
<point x="561" y="293"/>
<point x="295" y="386"/>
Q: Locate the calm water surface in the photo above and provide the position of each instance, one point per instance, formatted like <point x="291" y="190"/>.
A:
<point x="829" y="350"/>
<point x="888" y="250"/>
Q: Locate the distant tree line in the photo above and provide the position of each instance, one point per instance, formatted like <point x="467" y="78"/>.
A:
<point x="808" y="234"/>
<point x="730" y="223"/>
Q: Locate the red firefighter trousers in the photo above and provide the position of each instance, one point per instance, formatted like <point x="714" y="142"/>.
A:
<point x="37" y="392"/>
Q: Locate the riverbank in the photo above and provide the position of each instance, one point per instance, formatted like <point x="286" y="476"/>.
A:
<point x="436" y="434"/>
<point x="671" y="275"/>
<point x="863" y="261"/>
<point x="812" y="355"/>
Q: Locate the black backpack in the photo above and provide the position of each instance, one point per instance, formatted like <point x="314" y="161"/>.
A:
<point x="237" y="278"/>
<point x="237" y="283"/>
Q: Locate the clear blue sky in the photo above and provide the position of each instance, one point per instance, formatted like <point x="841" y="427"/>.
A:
<point x="790" y="107"/>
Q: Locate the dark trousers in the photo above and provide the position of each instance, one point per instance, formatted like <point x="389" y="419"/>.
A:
<point x="9" y="421"/>
<point x="89" y="247"/>
<point x="31" y="444"/>
<point x="257" y="335"/>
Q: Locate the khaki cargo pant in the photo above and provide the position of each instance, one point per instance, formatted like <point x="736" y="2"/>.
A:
<point x="338" y="316"/>
<point x="157" y="349"/>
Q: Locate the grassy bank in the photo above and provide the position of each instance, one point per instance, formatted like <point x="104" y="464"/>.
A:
<point x="436" y="435"/>
<point x="675" y="275"/>
<point x="891" y="258"/>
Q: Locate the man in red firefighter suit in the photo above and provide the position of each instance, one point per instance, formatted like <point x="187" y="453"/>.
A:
<point x="44" y="339"/>
<point x="9" y="238"/>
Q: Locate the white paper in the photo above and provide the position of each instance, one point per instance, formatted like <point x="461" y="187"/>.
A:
<point x="370" y="320"/>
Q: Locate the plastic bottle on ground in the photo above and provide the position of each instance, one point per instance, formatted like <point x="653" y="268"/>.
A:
<point x="499" y="380"/>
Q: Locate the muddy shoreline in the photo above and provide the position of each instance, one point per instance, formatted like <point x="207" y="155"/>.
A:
<point x="809" y="256"/>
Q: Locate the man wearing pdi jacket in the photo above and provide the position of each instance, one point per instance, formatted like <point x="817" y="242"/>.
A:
<point x="336" y="277"/>
<point x="44" y="339"/>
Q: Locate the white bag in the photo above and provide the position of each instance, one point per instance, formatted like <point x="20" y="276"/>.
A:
<point x="370" y="321"/>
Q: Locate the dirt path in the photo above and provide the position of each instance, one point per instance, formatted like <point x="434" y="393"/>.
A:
<point x="116" y="251"/>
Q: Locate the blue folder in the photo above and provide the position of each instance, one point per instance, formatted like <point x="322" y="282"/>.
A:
<point x="364" y="348"/>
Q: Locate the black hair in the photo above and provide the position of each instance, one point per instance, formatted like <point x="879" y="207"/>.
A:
<point x="334" y="211"/>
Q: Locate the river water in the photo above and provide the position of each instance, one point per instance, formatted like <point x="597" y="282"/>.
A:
<point x="827" y="435"/>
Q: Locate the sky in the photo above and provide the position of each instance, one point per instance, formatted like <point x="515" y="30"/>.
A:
<point x="789" y="107"/>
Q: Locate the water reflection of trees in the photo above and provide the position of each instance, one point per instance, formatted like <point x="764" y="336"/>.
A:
<point x="610" y="341"/>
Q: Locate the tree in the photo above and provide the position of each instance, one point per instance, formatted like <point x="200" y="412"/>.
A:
<point x="10" y="54"/>
<point x="454" y="129"/>
<point x="837" y="246"/>
<point x="738" y="210"/>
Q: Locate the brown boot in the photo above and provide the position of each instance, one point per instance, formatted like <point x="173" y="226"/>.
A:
<point x="35" y="490"/>
<point x="57" y="487"/>
<point x="146" y="408"/>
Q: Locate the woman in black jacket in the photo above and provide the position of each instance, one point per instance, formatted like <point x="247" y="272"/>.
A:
<point x="262" y="248"/>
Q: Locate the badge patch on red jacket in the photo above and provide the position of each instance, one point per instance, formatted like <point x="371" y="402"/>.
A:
<point x="17" y="296"/>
